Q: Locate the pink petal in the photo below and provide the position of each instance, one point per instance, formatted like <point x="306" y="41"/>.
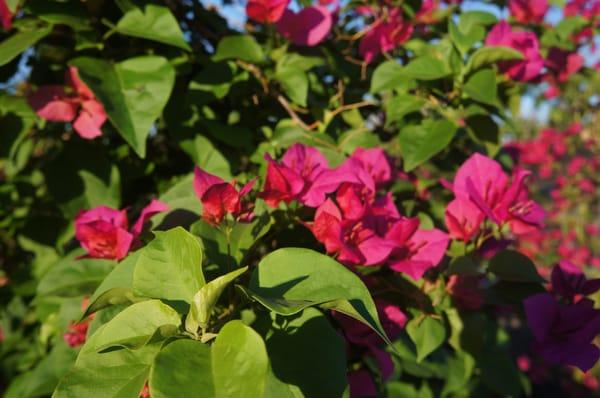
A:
<point x="86" y="126"/>
<point x="51" y="103"/>
<point x="155" y="207"/>
<point x="72" y="78"/>
<point x="309" y="27"/>
<point x="203" y="181"/>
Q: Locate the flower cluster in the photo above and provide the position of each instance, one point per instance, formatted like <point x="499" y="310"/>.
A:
<point x="564" y="321"/>
<point x="104" y="232"/>
<point x="76" y="103"/>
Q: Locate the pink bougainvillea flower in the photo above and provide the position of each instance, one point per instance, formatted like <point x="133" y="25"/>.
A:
<point x="526" y="43"/>
<point x="528" y="11"/>
<point x="104" y="232"/>
<point x="562" y="64"/>
<point x="308" y="27"/>
<point x="482" y="181"/>
<point x="463" y="219"/>
<point x="564" y="334"/>
<point x="77" y="331"/>
<point x="303" y="175"/>
<point x="352" y="240"/>
<point x="266" y="11"/>
<point x="569" y="282"/>
<point x="220" y="198"/>
<point x="6" y="15"/>
<point x="375" y="162"/>
<point x="384" y="35"/>
<point x="78" y="105"/>
<point x="427" y="12"/>
<point x="422" y="251"/>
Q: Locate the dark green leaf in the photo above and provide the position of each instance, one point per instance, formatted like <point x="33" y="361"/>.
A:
<point x="21" y="41"/>
<point x="512" y="266"/>
<point x="294" y="82"/>
<point x="482" y="87"/>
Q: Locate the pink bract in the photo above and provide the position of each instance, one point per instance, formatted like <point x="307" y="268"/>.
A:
<point x="308" y="27"/>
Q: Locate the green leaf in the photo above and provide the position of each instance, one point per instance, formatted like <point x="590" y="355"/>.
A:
<point x="294" y="82"/>
<point x="184" y="205"/>
<point x="499" y="372"/>
<point x="427" y="333"/>
<point x="205" y="300"/>
<point x="491" y="54"/>
<point x="472" y="18"/>
<point x="21" y="41"/>
<point x="42" y="379"/>
<point x="182" y="369"/>
<point x="71" y="277"/>
<point x="115" y="374"/>
<point x="153" y="23"/>
<point x="463" y="265"/>
<point x="388" y="76"/>
<point x="288" y="280"/>
<point x="420" y="143"/>
<point x="72" y="14"/>
<point x="482" y="87"/>
<point x="465" y="39"/>
<point x="295" y="60"/>
<point x="512" y="266"/>
<point x="206" y="156"/>
<point x="214" y="82"/>
<point x="426" y="68"/>
<point x="222" y="250"/>
<point x="116" y="288"/>
<point x="239" y="362"/>
<point x="402" y="105"/>
<point x="170" y="267"/>
<point x="137" y="324"/>
<point x="243" y="47"/>
<point x="133" y="92"/>
<point x="317" y="372"/>
<point x="485" y="131"/>
<point x="99" y="192"/>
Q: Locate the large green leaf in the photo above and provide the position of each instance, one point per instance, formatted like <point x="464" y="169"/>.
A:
<point x="420" y="143"/>
<point x="21" y="41"/>
<point x="288" y="280"/>
<point x="116" y="374"/>
<point x="116" y="288"/>
<point x="154" y="22"/>
<point x="137" y="324"/>
<point x="170" y="267"/>
<point x="71" y="276"/>
<point x="240" y="364"/>
<point x="182" y="369"/>
<point x="133" y="92"/>
<point x="240" y="47"/>
<point x="206" y="156"/>
<point x="319" y="371"/>
<point x="205" y="300"/>
<point x="401" y="105"/>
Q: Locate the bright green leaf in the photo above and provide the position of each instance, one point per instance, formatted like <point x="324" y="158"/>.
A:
<point x="137" y="324"/>
<point x="427" y="333"/>
<point x="133" y="92"/>
<point x="482" y="87"/>
<point x="170" y="267"/>
<point x="420" y="143"/>
<point x="153" y="23"/>
<point x="240" y="47"/>
<point x="21" y="41"/>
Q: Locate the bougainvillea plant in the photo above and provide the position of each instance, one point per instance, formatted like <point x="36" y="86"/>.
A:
<point x="275" y="198"/>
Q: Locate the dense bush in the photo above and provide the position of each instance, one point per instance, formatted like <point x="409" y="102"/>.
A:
<point x="338" y="198"/>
